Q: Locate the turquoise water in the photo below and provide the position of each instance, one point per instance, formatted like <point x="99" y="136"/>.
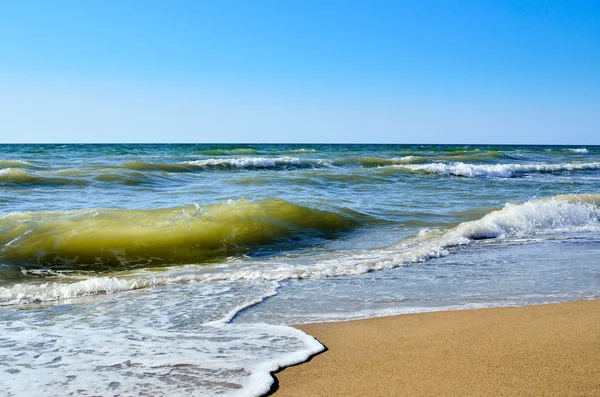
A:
<point x="188" y="262"/>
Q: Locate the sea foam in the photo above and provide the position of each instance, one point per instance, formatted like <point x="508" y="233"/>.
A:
<point x="496" y="170"/>
<point x="246" y="162"/>
<point x="166" y="344"/>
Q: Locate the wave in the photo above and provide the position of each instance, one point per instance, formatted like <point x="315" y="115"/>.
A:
<point x="16" y="164"/>
<point x="224" y="163"/>
<point x="475" y="153"/>
<point x="18" y="176"/>
<point x="251" y="162"/>
<point x="564" y="213"/>
<point x="377" y="161"/>
<point x="130" y="179"/>
<point x="228" y="152"/>
<point x="497" y="170"/>
<point x="300" y="151"/>
<point x="532" y="217"/>
<point x="145" y="166"/>
<point x="100" y="239"/>
<point x="474" y="157"/>
<point x="456" y="157"/>
<point x="15" y="176"/>
<point x="572" y="150"/>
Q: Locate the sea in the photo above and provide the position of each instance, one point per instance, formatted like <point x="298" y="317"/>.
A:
<point x="179" y="269"/>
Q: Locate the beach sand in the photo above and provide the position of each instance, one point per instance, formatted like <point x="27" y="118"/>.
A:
<point x="541" y="350"/>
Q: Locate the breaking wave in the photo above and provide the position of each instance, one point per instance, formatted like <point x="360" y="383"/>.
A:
<point x="225" y="163"/>
<point x="99" y="239"/>
<point x="250" y="162"/>
<point x="377" y="161"/>
<point x="564" y="213"/>
<point x="228" y="152"/>
<point x="497" y="170"/>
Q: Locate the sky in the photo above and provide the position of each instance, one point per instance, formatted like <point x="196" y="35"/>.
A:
<point x="377" y="71"/>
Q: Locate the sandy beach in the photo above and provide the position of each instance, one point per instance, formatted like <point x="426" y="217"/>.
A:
<point x="533" y="351"/>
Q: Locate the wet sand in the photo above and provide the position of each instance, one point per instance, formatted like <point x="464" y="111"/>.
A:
<point x="541" y="350"/>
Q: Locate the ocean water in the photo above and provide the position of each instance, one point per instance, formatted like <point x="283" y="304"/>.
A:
<point x="177" y="270"/>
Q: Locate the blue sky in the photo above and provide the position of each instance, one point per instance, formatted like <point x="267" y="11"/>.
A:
<point x="429" y="71"/>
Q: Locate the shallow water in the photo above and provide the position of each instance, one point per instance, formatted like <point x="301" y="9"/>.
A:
<point x="175" y="269"/>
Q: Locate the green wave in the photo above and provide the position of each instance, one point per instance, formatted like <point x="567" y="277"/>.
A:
<point x="16" y="176"/>
<point x="102" y="238"/>
<point x="16" y="164"/>
<point x="145" y="166"/>
<point x="376" y="161"/>
<point x="130" y="179"/>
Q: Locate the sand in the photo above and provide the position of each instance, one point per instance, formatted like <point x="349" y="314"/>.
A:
<point x="541" y="350"/>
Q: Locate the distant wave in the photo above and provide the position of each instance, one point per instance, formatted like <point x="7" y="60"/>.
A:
<point x="146" y="166"/>
<point x="376" y="161"/>
<point x="141" y="172"/>
<point x="456" y="157"/>
<point x="250" y="162"/>
<point x="573" y="150"/>
<point x="300" y="151"/>
<point x="17" y="176"/>
<point x="497" y="170"/>
<point x="223" y="163"/>
<point x="228" y="152"/>
<point x="16" y="164"/>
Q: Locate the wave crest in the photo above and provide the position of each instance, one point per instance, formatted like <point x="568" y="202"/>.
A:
<point x="95" y="239"/>
<point x="17" y="176"/>
<point x="248" y="162"/>
<point x="496" y="170"/>
<point x="16" y="164"/>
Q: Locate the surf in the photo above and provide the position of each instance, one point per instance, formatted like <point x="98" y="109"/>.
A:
<point x="497" y="170"/>
<point x="104" y="238"/>
<point x="564" y="214"/>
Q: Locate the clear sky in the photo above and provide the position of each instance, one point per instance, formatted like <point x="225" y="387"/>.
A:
<point x="413" y="71"/>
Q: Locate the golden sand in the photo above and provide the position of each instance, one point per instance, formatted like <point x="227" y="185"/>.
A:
<point x="546" y="350"/>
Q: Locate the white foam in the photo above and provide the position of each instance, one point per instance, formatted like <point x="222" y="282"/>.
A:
<point x="579" y="150"/>
<point x="228" y="318"/>
<point x="260" y="380"/>
<point x="302" y="151"/>
<point x="246" y="162"/>
<point x="407" y="159"/>
<point x="532" y="217"/>
<point x="496" y="170"/>
<point x="164" y="343"/>
<point x="48" y="292"/>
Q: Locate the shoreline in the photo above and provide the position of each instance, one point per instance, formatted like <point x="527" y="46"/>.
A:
<point x="549" y="349"/>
